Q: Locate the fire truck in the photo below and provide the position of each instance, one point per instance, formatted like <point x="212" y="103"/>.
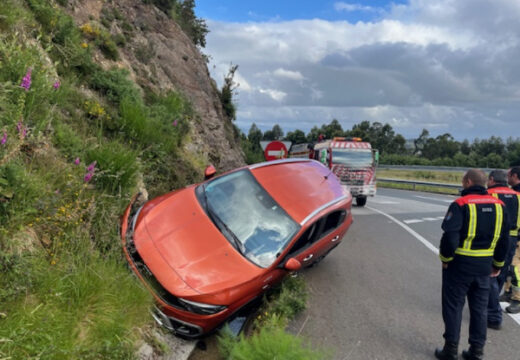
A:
<point x="352" y="160"/>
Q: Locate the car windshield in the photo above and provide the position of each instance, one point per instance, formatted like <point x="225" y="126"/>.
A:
<point x="353" y="158"/>
<point x="261" y="226"/>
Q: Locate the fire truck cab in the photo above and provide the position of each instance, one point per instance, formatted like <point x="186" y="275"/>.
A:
<point x="353" y="161"/>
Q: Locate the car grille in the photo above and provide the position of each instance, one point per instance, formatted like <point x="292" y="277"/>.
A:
<point x="352" y="182"/>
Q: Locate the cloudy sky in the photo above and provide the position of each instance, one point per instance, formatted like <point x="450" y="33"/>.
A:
<point x="444" y="65"/>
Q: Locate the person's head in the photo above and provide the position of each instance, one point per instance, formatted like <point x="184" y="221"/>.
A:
<point x="474" y="177"/>
<point x="513" y="176"/>
<point x="497" y="177"/>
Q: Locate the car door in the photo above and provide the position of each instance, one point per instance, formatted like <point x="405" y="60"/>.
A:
<point x="330" y="233"/>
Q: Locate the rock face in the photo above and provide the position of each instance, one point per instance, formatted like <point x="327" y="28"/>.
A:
<point x="161" y="57"/>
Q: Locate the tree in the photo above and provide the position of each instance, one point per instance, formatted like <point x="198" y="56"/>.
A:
<point x="333" y="129"/>
<point x="226" y="94"/>
<point x="420" y="141"/>
<point x="254" y="136"/>
<point x="296" y="137"/>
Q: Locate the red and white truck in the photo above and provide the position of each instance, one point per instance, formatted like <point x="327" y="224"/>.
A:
<point x="352" y="160"/>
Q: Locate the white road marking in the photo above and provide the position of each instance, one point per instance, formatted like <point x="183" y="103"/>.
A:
<point x="385" y="202"/>
<point x="430" y="219"/>
<point x="412" y="221"/>
<point x="430" y="198"/>
<point x="425" y="242"/>
<point x="516" y="317"/>
<point x="429" y="245"/>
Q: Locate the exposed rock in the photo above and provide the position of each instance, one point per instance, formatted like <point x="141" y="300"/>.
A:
<point x="161" y="57"/>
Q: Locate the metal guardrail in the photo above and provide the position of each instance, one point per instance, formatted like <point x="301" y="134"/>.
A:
<point x="430" y="168"/>
<point x="414" y="183"/>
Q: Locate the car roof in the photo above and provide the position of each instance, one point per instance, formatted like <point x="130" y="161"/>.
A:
<point x="302" y="187"/>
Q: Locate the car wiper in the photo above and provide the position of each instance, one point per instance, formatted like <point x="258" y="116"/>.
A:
<point x="221" y="225"/>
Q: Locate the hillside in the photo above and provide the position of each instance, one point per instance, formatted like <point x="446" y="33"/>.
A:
<point x="98" y="100"/>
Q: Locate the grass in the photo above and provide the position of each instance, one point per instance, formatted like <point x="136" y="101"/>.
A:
<point x="424" y="188"/>
<point x="269" y="339"/>
<point x="449" y="177"/>
<point x="65" y="291"/>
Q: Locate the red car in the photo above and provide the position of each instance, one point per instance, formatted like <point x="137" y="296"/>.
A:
<point x="208" y="250"/>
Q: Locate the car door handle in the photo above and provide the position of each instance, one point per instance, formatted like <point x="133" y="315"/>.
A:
<point x="308" y="257"/>
<point x="265" y="286"/>
<point x="336" y="238"/>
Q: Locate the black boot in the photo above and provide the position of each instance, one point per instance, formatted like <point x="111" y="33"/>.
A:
<point x="514" y="308"/>
<point x="448" y="352"/>
<point x="474" y="352"/>
<point x="505" y="297"/>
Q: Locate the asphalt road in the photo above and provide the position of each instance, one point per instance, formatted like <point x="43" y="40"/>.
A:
<point x="378" y="295"/>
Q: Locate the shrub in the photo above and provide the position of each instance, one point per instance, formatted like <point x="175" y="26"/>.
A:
<point x="118" y="167"/>
<point x="115" y="85"/>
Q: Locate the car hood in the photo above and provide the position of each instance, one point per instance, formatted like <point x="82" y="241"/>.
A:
<point x="190" y="244"/>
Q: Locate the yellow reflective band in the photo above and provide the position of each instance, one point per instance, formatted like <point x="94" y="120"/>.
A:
<point x="517" y="275"/>
<point x="513" y="232"/>
<point x="475" y="253"/>
<point x="498" y="225"/>
<point x="472" y="226"/>
<point x="495" y="195"/>
<point x="498" y="264"/>
<point x="517" y="214"/>
<point x="445" y="259"/>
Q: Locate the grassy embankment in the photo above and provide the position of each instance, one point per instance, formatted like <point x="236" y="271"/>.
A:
<point x="421" y="175"/>
<point x="65" y="292"/>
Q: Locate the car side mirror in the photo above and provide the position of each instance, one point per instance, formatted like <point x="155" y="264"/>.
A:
<point x="209" y="172"/>
<point x="292" y="265"/>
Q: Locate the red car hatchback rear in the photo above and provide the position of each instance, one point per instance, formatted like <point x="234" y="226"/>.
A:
<point x="208" y="250"/>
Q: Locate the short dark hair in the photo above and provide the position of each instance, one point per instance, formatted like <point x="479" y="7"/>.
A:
<point x="477" y="177"/>
<point x="515" y="170"/>
<point x="498" y="176"/>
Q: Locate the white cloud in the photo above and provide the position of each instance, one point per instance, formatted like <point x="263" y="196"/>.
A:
<point x="288" y="74"/>
<point x="342" y="6"/>
<point x="274" y="94"/>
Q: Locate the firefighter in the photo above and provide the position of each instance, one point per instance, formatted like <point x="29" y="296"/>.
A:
<point x="497" y="187"/>
<point x="513" y="178"/>
<point x="473" y="248"/>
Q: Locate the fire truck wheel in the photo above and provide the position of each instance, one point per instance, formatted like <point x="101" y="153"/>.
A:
<point x="361" y="200"/>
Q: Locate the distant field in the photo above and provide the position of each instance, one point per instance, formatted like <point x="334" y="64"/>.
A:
<point x="423" y="175"/>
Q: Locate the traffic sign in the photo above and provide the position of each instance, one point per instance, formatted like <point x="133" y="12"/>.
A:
<point x="275" y="150"/>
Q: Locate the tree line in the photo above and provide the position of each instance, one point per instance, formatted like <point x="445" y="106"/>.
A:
<point x="394" y="149"/>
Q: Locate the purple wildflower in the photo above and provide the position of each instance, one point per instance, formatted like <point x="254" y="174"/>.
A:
<point x="4" y="139"/>
<point x="92" y="167"/>
<point x="26" y="81"/>
<point x="57" y="192"/>
<point x="22" y="130"/>
<point x="77" y="161"/>
<point x="56" y="85"/>
<point x="88" y="176"/>
<point x="175" y="123"/>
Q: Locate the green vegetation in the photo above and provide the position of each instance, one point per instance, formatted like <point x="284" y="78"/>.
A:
<point x="75" y="142"/>
<point x="424" y="188"/>
<point x="448" y="177"/>
<point x="269" y="339"/>
<point x="183" y="12"/>
<point x="442" y="150"/>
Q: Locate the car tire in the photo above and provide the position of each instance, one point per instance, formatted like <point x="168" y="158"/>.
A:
<point x="361" y="200"/>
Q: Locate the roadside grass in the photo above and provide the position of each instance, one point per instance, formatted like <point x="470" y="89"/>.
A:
<point x="449" y="177"/>
<point x="424" y="188"/>
<point x="70" y="158"/>
<point x="269" y="340"/>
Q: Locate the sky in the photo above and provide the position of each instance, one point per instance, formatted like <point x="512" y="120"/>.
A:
<point x="448" y="66"/>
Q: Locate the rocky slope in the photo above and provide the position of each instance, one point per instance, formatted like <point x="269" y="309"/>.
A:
<point x="161" y="57"/>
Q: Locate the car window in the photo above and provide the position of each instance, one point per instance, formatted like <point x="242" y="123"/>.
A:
<point x="252" y="216"/>
<point x="332" y="221"/>
<point x="306" y="238"/>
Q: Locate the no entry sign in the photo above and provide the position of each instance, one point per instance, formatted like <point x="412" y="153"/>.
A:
<point x="275" y="150"/>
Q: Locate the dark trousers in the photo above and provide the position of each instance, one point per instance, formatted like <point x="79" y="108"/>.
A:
<point x="496" y="284"/>
<point x="455" y="288"/>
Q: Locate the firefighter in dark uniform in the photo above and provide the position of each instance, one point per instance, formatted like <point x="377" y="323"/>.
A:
<point x="497" y="187"/>
<point x="513" y="295"/>
<point x="473" y="248"/>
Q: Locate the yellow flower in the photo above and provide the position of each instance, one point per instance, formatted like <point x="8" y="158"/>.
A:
<point x="84" y="45"/>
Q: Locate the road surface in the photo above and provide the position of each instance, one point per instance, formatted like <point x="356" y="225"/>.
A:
<point x="378" y="295"/>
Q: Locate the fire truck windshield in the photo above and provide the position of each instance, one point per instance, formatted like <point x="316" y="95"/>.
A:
<point x="358" y="158"/>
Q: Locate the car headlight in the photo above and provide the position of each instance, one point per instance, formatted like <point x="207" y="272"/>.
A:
<point x="200" y="308"/>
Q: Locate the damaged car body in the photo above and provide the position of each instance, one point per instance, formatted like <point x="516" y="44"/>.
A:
<point x="210" y="249"/>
